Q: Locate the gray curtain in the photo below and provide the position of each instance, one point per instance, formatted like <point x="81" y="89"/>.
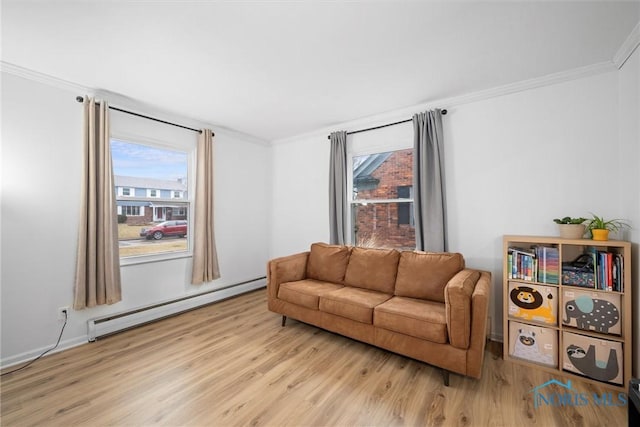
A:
<point x="428" y="182"/>
<point x="97" y="279"/>
<point x="205" y="256"/>
<point x="338" y="208"/>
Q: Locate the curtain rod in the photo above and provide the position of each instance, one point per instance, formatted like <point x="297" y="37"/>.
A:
<point x="443" y="112"/>
<point x="81" y="99"/>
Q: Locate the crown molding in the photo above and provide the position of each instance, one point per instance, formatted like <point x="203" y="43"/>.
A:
<point x="452" y="102"/>
<point x="548" y="80"/>
<point x="246" y="137"/>
<point x="36" y="76"/>
<point x="628" y="47"/>
<point x="123" y="101"/>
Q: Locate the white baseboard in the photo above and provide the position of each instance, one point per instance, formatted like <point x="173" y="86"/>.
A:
<point x="32" y="354"/>
<point x="113" y="323"/>
<point x="124" y="321"/>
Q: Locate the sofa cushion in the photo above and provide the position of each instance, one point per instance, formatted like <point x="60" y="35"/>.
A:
<point x="305" y="292"/>
<point x="328" y="263"/>
<point x="424" y="275"/>
<point x="373" y="269"/>
<point x="353" y="303"/>
<point x="417" y="318"/>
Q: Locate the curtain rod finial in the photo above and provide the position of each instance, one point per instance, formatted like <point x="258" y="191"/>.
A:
<point x="79" y="98"/>
<point x="444" y="112"/>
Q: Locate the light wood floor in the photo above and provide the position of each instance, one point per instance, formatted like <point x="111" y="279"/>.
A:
<point x="232" y="364"/>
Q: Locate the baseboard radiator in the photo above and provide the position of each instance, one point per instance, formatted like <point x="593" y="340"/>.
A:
<point x="111" y="324"/>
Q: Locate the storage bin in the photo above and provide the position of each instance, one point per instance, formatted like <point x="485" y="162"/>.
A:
<point x="592" y="311"/>
<point x="594" y="358"/>
<point x="533" y="302"/>
<point x="533" y="343"/>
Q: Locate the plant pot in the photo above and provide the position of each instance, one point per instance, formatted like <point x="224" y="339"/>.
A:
<point x="571" y="231"/>
<point x="600" y="234"/>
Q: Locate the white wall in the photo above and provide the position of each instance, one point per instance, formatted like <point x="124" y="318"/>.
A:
<point x="300" y="195"/>
<point x="41" y="139"/>
<point x="629" y="93"/>
<point x="513" y="163"/>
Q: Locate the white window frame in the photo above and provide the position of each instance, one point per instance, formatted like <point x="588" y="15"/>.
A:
<point x="149" y="190"/>
<point x="179" y="212"/>
<point x="132" y="191"/>
<point x="179" y="196"/>
<point x="190" y="150"/>
<point x="392" y="138"/>
<point x="124" y="208"/>
<point x="412" y="220"/>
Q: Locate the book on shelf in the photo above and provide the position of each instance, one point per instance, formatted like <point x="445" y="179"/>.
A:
<point x="521" y="263"/>
<point x="535" y="264"/>
<point x="548" y="265"/>
<point x="609" y="268"/>
<point x="620" y="268"/>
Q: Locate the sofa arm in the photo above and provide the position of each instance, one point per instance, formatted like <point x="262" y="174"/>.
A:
<point x="285" y="269"/>
<point x="480" y="311"/>
<point x="459" y="307"/>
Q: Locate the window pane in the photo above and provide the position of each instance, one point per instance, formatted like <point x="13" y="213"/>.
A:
<point x="382" y="211"/>
<point x="404" y="192"/>
<point x="379" y="225"/>
<point x="405" y="213"/>
<point x="150" y="220"/>
<point x="381" y="175"/>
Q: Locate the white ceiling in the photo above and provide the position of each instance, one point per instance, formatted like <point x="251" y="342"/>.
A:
<point x="275" y="69"/>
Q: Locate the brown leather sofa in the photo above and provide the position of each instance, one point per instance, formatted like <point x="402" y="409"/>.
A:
<point x="426" y="306"/>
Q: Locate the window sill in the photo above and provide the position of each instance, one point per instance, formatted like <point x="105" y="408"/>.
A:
<point x="147" y="259"/>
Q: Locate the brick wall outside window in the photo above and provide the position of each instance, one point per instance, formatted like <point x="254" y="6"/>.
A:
<point x="376" y="224"/>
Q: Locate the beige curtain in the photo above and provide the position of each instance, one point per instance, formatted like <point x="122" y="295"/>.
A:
<point x="205" y="257"/>
<point x="98" y="261"/>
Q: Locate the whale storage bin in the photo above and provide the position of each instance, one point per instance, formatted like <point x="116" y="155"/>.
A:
<point x="592" y="311"/>
<point x="598" y="359"/>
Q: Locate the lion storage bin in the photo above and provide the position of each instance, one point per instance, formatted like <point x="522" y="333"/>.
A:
<point x="591" y="311"/>
<point x="533" y="343"/>
<point x="533" y="302"/>
<point x="594" y="358"/>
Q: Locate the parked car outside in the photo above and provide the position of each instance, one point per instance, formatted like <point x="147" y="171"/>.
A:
<point x="167" y="228"/>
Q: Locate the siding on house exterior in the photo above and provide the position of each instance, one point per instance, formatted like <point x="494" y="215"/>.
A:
<point x="147" y="200"/>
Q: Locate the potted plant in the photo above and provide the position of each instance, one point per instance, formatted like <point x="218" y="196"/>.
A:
<point x="571" y="228"/>
<point x="600" y="227"/>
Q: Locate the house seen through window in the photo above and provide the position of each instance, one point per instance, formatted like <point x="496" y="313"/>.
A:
<point x="382" y="200"/>
<point x="152" y="198"/>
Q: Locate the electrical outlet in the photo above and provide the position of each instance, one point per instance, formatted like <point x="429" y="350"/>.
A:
<point x="61" y="313"/>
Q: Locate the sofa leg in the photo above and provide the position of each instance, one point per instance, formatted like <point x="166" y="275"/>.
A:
<point x="445" y="377"/>
<point x="284" y="320"/>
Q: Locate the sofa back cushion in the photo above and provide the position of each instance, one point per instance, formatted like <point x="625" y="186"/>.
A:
<point x="373" y="269"/>
<point x="328" y="262"/>
<point x="425" y="274"/>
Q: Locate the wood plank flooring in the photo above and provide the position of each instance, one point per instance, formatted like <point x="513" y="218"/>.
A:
<point x="232" y="364"/>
